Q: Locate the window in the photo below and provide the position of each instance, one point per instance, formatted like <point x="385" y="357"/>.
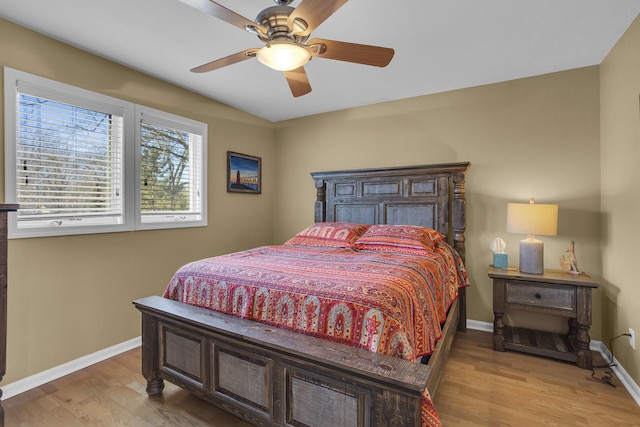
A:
<point x="172" y="176"/>
<point x="78" y="162"/>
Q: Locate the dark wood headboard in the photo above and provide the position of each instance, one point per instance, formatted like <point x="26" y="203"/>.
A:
<point x="430" y="195"/>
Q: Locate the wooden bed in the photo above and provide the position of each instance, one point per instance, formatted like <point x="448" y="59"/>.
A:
<point x="274" y="377"/>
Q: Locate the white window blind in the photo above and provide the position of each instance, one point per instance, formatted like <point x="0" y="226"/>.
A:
<point x="171" y="170"/>
<point x="68" y="163"/>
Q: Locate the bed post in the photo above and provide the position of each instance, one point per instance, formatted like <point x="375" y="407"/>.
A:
<point x="150" y="355"/>
<point x="320" y="207"/>
<point x="459" y="227"/>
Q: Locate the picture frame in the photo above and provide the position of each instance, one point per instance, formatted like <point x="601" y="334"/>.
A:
<point x="244" y="173"/>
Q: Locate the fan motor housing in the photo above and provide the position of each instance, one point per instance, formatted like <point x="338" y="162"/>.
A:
<point x="275" y="20"/>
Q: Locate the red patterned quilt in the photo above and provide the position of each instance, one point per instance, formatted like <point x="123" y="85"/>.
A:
<point x="388" y="303"/>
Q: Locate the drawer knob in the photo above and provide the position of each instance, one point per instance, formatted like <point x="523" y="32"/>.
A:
<point x="538" y="296"/>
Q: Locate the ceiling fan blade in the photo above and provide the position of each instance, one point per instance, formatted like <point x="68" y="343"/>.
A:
<point x="351" y="52"/>
<point x="227" y="60"/>
<point x="212" y="8"/>
<point x="298" y="81"/>
<point x="311" y="13"/>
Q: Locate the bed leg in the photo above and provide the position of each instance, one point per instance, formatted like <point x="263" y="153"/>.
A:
<point x="150" y="355"/>
<point x="155" y="387"/>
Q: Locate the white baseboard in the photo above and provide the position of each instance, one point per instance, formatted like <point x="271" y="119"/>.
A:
<point x="598" y="346"/>
<point x="618" y="369"/>
<point x="480" y="326"/>
<point x="44" y="377"/>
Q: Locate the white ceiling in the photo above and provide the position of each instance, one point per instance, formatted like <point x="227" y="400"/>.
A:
<point x="440" y="45"/>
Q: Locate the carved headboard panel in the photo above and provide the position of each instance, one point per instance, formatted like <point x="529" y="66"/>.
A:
<point x="431" y="196"/>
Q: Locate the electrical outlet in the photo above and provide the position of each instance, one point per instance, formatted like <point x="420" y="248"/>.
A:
<point x="632" y="339"/>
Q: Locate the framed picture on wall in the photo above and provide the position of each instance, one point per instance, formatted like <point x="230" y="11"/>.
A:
<point x="244" y="173"/>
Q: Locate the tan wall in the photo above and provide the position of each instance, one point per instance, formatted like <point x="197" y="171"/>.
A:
<point x="620" y="155"/>
<point x="71" y="296"/>
<point x="531" y="137"/>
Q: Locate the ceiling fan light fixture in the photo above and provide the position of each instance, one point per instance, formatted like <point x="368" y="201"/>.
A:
<point x="283" y="56"/>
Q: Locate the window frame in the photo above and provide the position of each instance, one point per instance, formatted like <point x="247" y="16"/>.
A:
<point x="131" y="155"/>
<point x="179" y="123"/>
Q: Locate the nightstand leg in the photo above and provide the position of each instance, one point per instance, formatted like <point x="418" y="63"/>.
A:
<point x="582" y="342"/>
<point x="498" y="313"/>
<point x="583" y="322"/>
<point x="498" y="332"/>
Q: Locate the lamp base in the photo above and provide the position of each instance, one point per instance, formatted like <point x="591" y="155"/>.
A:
<point x="531" y="256"/>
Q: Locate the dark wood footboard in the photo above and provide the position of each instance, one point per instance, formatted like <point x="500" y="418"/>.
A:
<point x="275" y="377"/>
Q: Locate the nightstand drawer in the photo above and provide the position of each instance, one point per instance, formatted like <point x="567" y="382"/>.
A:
<point x="547" y="296"/>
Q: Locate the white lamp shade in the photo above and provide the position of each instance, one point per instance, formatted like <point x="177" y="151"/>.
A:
<point x="283" y="56"/>
<point x="532" y="219"/>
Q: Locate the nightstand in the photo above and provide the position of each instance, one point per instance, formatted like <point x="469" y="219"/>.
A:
<point x="553" y="292"/>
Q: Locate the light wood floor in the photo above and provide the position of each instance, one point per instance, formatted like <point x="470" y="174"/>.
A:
<point x="480" y="387"/>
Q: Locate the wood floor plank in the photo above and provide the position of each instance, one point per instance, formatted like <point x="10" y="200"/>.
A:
<point x="480" y="387"/>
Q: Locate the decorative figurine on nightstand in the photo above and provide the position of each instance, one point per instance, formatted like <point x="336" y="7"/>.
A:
<point x="568" y="260"/>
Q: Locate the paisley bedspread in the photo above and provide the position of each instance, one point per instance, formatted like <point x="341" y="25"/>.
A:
<point x="388" y="303"/>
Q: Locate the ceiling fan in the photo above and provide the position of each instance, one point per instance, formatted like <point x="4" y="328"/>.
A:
<point x="285" y="31"/>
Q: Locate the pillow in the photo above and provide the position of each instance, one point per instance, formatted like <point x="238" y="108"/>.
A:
<point x="333" y="234"/>
<point x="410" y="239"/>
<point x="435" y="236"/>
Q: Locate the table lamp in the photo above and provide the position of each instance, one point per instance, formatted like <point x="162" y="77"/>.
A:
<point x="532" y="219"/>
